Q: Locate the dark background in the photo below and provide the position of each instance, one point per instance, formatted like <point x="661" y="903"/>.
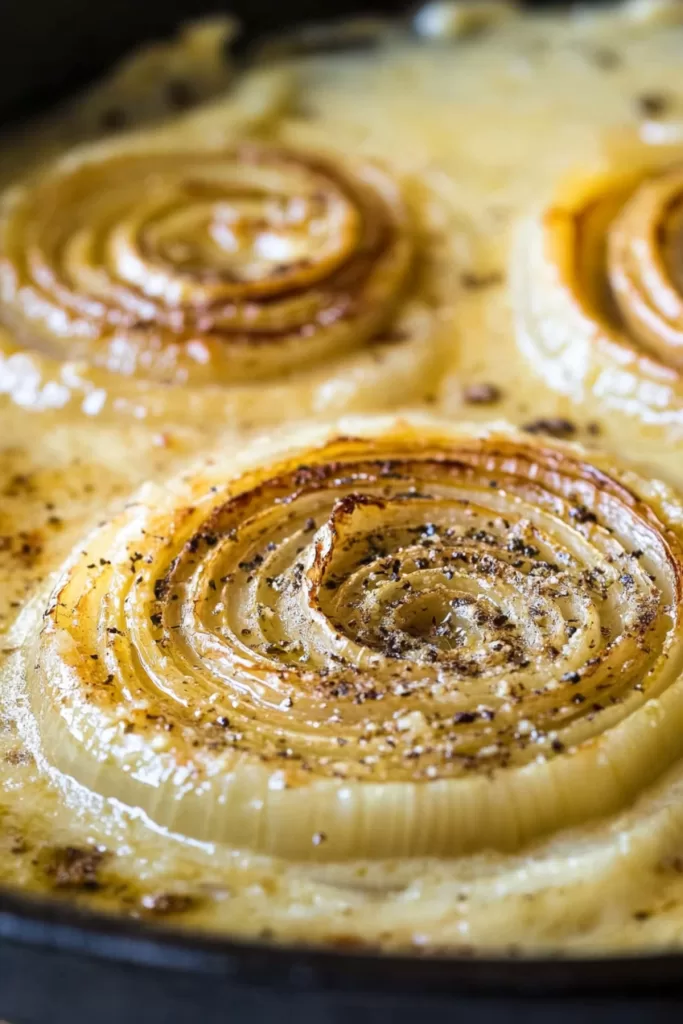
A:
<point x="49" y="47"/>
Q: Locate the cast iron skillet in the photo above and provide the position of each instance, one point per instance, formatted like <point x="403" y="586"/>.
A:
<point x="59" y="965"/>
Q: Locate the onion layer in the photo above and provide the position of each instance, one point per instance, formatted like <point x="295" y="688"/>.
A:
<point x="412" y="640"/>
<point x="599" y="288"/>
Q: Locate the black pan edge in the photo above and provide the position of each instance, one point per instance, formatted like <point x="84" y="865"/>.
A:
<point x="52" y="48"/>
<point x="55" y="925"/>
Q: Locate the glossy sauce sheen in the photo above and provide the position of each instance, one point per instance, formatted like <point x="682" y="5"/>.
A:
<point x="488" y="122"/>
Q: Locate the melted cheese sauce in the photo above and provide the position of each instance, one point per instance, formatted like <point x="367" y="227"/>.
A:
<point x="488" y="122"/>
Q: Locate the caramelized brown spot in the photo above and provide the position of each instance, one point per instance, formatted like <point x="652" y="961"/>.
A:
<point x="481" y="394"/>
<point x="652" y="104"/>
<point x="73" y="867"/>
<point x="18" y="756"/>
<point x="163" y="904"/>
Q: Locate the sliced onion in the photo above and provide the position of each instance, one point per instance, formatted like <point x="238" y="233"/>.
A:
<point x="598" y="286"/>
<point x="413" y="640"/>
<point x="220" y="270"/>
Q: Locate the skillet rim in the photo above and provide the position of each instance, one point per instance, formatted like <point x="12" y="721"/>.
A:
<point x="53" y="924"/>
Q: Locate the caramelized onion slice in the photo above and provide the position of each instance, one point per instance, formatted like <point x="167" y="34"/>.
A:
<point x="599" y="287"/>
<point x="417" y="639"/>
<point x="203" y="266"/>
<point x="645" y="265"/>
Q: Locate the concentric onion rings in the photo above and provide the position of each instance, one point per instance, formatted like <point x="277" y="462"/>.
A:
<point x="598" y="287"/>
<point x="247" y="276"/>
<point x="407" y="638"/>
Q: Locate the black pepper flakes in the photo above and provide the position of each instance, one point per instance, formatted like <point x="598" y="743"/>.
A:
<point x="475" y="280"/>
<point x="581" y="514"/>
<point x="553" y="426"/>
<point x="652" y="104"/>
<point x="605" y="58"/>
<point x="180" y="93"/>
<point x="252" y="564"/>
<point x="113" y="119"/>
<point x="481" y="394"/>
